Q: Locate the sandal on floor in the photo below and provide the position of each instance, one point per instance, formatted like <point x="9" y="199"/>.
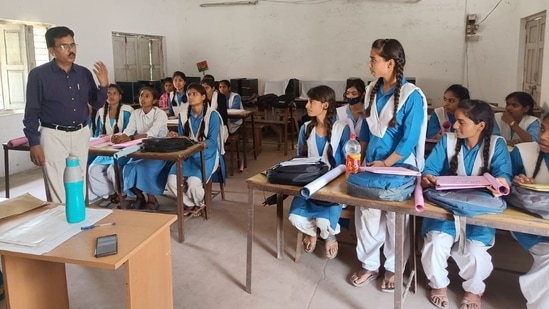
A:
<point x="331" y="249"/>
<point x="370" y="276"/>
<point x="388" y="284"/>
<point x="152" y="205"/>
<point x="309" y="243"/>
<point x="469" y="303"/>
<point x="138" y="204"/>
<point x="196" y="211"/>
<point x="439" y="298"/>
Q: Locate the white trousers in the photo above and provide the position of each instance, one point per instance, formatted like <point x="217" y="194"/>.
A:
<point x="309" y="226"/>
<point x="475" y="264"/>
<point x="195" y="191"/>
<point x="535" y="283"/>
<point x="376" y="228"/>
<point x="57" y="145"/>
<point x="102" y="180"/>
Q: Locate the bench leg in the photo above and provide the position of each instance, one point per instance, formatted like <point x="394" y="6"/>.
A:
<point x="298" y="247"/>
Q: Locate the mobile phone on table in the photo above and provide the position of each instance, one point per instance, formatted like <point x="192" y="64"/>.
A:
<point x="106" y="245"/>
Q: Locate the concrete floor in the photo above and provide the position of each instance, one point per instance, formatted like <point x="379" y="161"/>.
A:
<point x="209" y="267"/>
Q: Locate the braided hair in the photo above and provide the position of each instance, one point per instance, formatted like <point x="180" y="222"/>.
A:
<point x="478" y="111"/>
<point x="389" y="49"/>
<point x="201" y="136"/>
<point x="323" y="94"/>
<point x="106" y="109"/>
<point x="540" y="154"/>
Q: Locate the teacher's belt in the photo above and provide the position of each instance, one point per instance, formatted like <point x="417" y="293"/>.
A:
<point x="65" y="128"/>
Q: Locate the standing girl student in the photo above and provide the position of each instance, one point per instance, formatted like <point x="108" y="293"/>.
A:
<point x="200" y="123"/>
<point x="234" y="101"/>
<point x="472" y="150"/>
<point x="178" y="98"/>
<point x="531" y="166"/>
<point x="140" y="175"/>
<point x="352" y="113"/>
<point x="112" y="118"/>
<point x="452" y="96"/>
<point x="518" y="123"/>
<point x="397" y="120"/>
<point x="325" y="138"/>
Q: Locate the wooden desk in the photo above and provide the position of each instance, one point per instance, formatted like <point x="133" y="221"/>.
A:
<point x="178" y="157"/>
<point x="281" y="126"/>
<point x="336" y="192"/>
<point x="39" y="281"/>
<point x="244" y="115"/>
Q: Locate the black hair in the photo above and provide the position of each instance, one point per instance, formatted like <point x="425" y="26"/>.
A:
<point x="180" y="74"/>
<point x="151" y="89"/>
<point x="226" y="82"/>
<point x="201" y="136"/>
<point x="57" y="33"/>
<point x="459" y="91"/>
<point x="208" y="76"/>
<point x="389" y="49"/>
<point x="106" y="109"/>
<point x="209" y="82"/>
<point x="168" y="80"/>
<point x="358" y="84"/>
<point x="323" y="94"/>
<point x="478" y="111"/>
<point x="525" y="99"/>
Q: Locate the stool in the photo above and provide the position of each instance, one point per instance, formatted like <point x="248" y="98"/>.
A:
<point x="232" y="145"/>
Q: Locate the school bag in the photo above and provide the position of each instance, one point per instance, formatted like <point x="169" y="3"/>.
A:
<point x="166" y="144"/>
<point x="534" y="202"/>
<point x="467" y="202"/>
<point x="297" y="172"/>
<point x="383" y="187"/>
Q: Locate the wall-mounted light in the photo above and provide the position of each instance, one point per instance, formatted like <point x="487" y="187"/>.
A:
<point x="204" y="5"/>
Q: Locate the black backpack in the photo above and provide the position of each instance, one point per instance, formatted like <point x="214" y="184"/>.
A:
<point x="297" y="174"/>
<point x="167" y="144"/>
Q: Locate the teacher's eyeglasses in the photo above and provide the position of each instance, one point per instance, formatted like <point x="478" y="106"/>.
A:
<point x="67" y="46"/>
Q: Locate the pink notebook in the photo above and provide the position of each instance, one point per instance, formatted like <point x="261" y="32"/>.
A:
<point x="128" y="144"/>
<point x="100" y="140"/>
<point x="17" y="142"/>
<point x="390" y="170"/>
<point x="470" y="182"/>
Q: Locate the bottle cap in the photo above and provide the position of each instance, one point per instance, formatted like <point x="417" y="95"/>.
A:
<point x="72" y="161"/>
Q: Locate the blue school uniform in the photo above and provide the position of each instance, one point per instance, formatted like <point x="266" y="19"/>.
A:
<point x="407" y="137"/>
<point x="213" y="122"/>
<point x="527" y="241"/>
<point x="123" y="120"/>
<point x="358" y="127"/>
<point x="434" y="127"/>
<point x="340" y="135"/>
<point x="177" y="102"/>
<point x="528" y="123"/>
<point x="438" y="164"/>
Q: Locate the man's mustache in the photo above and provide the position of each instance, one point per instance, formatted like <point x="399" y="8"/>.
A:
<point x="72" y="54"/>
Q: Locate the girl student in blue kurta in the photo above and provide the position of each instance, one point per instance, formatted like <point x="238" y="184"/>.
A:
<point x="531" y="166"/>
<point x="234" y="101"/>
<point x="142" y="176"/>
<point x="518" y="123"/>
<point x="472" y="150"/>
<point x="201" y="123"/>
<point x="397" y="121"/>
<point x="452" y="96"/>
<point x="177" y="100"/>
<point x="352" y="113"/>
<point x="112" y="118"/>
<point x="323" y="137"/>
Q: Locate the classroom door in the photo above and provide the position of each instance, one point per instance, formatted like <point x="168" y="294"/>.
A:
<point x="533" y="55"/>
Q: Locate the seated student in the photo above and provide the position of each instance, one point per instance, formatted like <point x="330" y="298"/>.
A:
<point x="325" y="138"/>
<point x="218" y="102"/>
<point x="518" y="123"/>
<point x="200" y="123"/>
<point x="352" y="113"/>
<point x="531" y="165"/>
<point x="178" y="98"/>
<point x="164" y="101"/>
<point x="452" y="96"/>
<point x="140" y="175"/>
<point x="471" y="150"/>
<point x="233" y="102"/>
<point x="111" y="119"/>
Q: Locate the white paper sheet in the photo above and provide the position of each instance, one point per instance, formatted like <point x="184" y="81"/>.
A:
<point x="42" y="231"/>
<point x="323" y="180"/>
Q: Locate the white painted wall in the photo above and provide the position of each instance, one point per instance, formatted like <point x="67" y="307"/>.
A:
<point x="331" y="40"/>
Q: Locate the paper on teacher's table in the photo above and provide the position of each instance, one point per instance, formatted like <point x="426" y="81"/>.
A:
<point x="41" y="231"/>
<point x="320" y="182"/>
<point x="17" y="141"/>
<point x="94" y="142"/>
<point x="390" y="170"/>
<point x="19" y="205"/>
<point x="300" y="161"/>
<point x="128" y="144"/>
<point x="419" y="201"/>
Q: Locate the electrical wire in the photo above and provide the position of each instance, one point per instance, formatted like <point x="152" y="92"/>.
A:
<point x="489" y="13"/>
<point x="308" y="2"/>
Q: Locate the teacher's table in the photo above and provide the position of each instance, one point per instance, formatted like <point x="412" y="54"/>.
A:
<point x="39" y="281"/>
<point x="178" y="157"/>
<point x="336" y="192"/>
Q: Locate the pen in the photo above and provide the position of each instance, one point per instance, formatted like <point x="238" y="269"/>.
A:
<point x="89" y="227"/>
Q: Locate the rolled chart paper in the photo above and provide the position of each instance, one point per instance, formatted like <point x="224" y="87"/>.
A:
<point x="126" y="151"/>
<point x="100" y="140"/>
<point x="419" y="202"/>
<point x="320" y="182"/>
<point x="17" y="142"/>
<point x="496" y="184"/>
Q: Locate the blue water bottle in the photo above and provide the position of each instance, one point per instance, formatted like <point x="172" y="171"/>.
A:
<point x="75" y="207"/>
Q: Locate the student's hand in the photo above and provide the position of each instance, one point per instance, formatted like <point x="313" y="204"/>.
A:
<point x="428" y="181"/>
<point x="172" y="134"/>
<point x="495" y="191"/>
<point x="507" y="118"/>
<point x="102" y="74"/>
<point x="438" y="136"/>
<point x="522" y="179"/>
<point x="376" y="164"/>
<point x="120" y="138"/>
<point x="37" y="155"/>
